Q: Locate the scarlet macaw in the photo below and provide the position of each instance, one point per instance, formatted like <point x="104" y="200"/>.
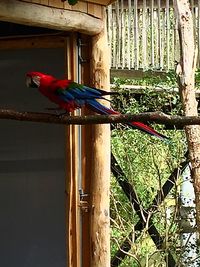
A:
<point x="69" y="95"/>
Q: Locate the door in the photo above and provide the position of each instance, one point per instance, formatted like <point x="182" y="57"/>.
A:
<point x="32" y="166"/>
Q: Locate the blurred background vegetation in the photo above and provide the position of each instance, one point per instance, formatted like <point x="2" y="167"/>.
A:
<point x="147" y="163"/>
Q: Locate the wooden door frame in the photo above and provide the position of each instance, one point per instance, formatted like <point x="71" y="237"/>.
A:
<point x="68" y="42"/>
<point x="94" y="247"/>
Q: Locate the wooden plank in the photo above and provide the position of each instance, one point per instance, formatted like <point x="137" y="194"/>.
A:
<point x="32" y="42"/>
<point x="71" y="201"/>
<point x="59" y="19"/>
<point x="118" y="36"/>
<point x="167" y="34"/>
<point x="100" y="2"/>
<point x="44" y="2"/>
<point x="35" y="1"/>
<point x="66" y="5"/>
<point x="86" y="148"/>
<point x="155" y="18"/>
<point x="114" y="38"/>
<point x="172" y="46"/>
<point x="144" y="36"/>
<point x="129" y="35"/>
<point x="86" y="174"/>
<point x="148" y="3"/>
<point x="100" y="165"/>
<point x="80" y="6"/>
<point x="159" y="36"/>
<point x="109" y="27"/>
<point x="132" y="41"/>
<point x="55" y="3"/>
<point x="163" y="38"/>
<point x="152" y="32"/>
<point x="72" y="169"/>
<point x="95" y="10"/>
<point x="176" y="43"/>
<point x="123" y="53"/>
<point x="136" y="40"/>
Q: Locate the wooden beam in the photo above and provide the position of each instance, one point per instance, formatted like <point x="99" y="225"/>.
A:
<point x="134" y="74"/>
<point x="100" y="164"/>
<point x="51" y="41"/>
<point x="48" y="17"/>
<point x="87" y="157"/>
<point x="72" y="170"/>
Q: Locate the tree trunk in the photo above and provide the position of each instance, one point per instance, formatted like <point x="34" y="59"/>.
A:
<point x="186" y="78"/>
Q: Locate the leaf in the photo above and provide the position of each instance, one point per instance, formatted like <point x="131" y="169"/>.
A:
<point x="72" y="2"/>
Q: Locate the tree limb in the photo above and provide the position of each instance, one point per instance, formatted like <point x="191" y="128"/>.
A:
<point x="186" y="81"/>
<point x="156" y="117"/>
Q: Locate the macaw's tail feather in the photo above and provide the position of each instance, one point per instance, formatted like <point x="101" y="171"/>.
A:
<point x="108" y="92"/>
<point x="99" y="108"/>
<point x="147" y="129"/>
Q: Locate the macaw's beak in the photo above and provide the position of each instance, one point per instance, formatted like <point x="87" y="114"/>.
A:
<point x="30" y="83"/>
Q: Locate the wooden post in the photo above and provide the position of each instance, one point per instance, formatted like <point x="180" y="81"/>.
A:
<point x="72" y="165"/>
<point x="186" y="72"/>
<point x="100" y="160"/>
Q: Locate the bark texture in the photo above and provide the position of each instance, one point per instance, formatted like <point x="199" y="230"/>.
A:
<point x="186" y="74"/>
<point x="158" y="117"/>
<point x="100" y="164"/>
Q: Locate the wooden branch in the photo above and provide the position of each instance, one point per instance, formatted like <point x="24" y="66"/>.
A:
<point x="156" y="117"/>
<point x="48" y="17"/>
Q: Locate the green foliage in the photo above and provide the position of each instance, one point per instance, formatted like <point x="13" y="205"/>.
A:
<point x="72" y="2"/>
<point x="168" y="80"/>
<point x="197" y="78"/>
<point x="147" y="163"/>
<point x="153" y="98"/>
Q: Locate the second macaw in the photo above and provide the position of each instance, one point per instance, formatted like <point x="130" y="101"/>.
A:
<point x="69" y="95"/>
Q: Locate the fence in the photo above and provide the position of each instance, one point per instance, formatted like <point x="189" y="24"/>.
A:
<point x="143" y="34"/>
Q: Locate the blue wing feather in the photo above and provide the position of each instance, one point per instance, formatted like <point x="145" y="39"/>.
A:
<point x="79" y="93"/>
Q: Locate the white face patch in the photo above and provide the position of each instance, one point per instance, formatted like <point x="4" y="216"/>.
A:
<point x="36" y="80"/>
<point x="28" y="81"/>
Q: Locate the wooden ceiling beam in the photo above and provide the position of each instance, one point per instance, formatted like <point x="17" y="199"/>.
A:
<point x="48" y="17"/>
